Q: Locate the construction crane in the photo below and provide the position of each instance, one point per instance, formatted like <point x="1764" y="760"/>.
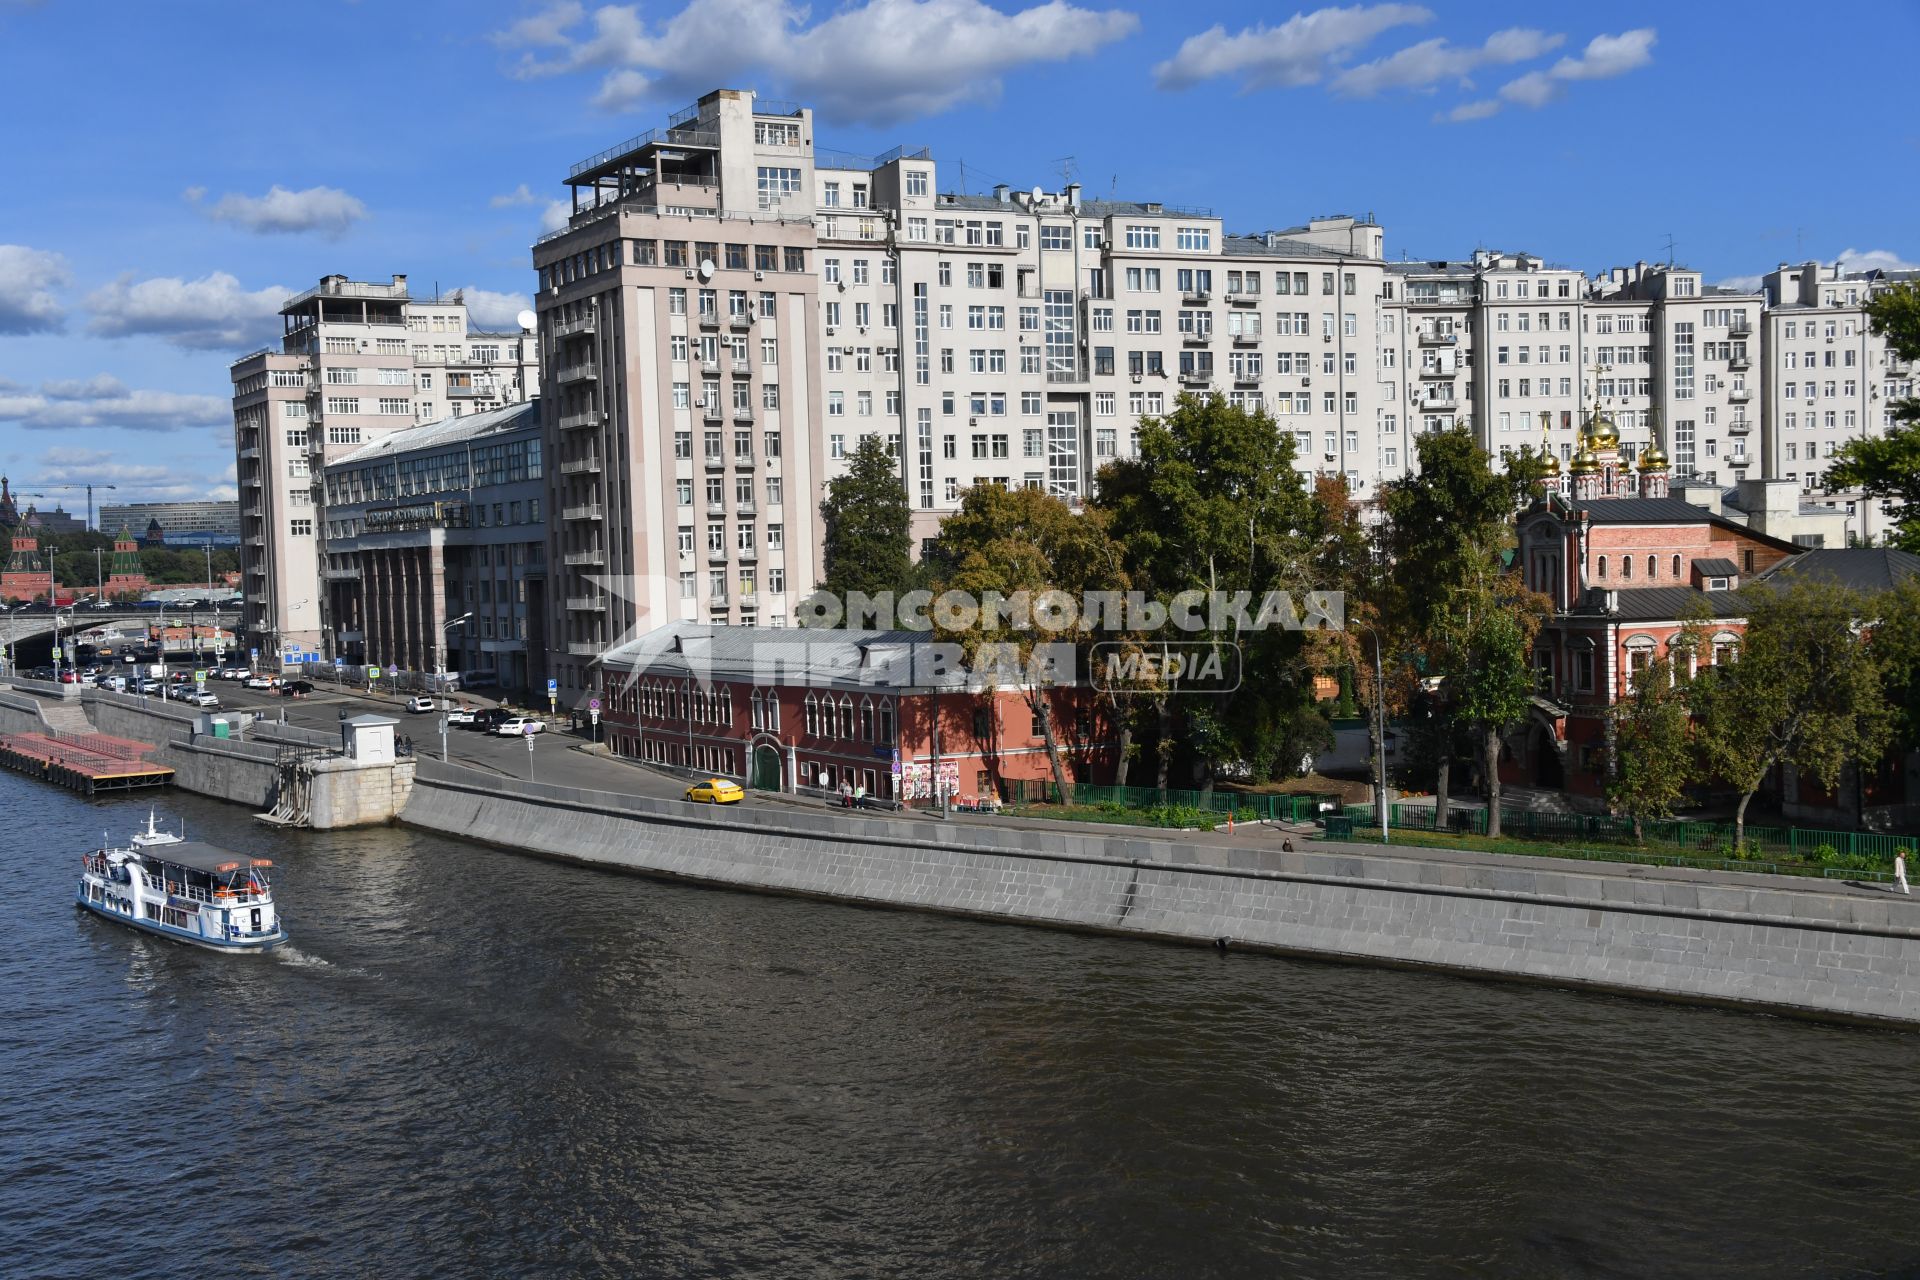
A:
<point x="56" y="484"/>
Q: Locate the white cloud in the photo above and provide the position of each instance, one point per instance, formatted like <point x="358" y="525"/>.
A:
<point x="555" y="215"/>
<point x="1470" y="111"/>
<point x="210" y="313"/>
<point x="134" y="481"/>
<point x="490" y="310"/>
<point x="521" y="194"/>
<point x="874" y="62"/>
<point x="28" y="278"/>
<point x="1300" y="51"/>
<point x="1873" y="260"/>
<point x="105" y="401"/>
<point x="1745" y="284"/>
<point x="1423" y="65"/>
<point x="1603" y="58"/>
<point x="327" y="210"/>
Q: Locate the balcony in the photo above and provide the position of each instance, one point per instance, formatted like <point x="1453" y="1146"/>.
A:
<point x="1246" y="339"/>
<point x="745" y="507"/>
<point x="749" y="600"/>
<point x="716" y="555"/>
<point x="740" y="323"/>
<point x="1739" y="362"/>
<point x="715" y="507"/>
<point x="713" y="413"/>
<point x="1430" y="338"/>
<point x="472" y="393"/>
<point x="580" y="467"/>
<point x="1739" y="395"/>
<point x="1057" y="372"/>
<point x="584" y="511"/>
<point x="1740" y="328"/>
<point x="250" y="454"/>
<point x="587" y="604"/>
<point x="576" y="373"/>
<point x="717" y="600"/>
<point x="743" y="462"/>
<point x="1738" y="460"/>
<point x="582" y="420"/>
<point x="743" y="413"/>
<point x="748" y="555"/>
<point x="1196" y="297"/>
<point x="1196" y="337"/>
<point x="591" y="558"/>
<point x="709" y="319"/>
<point x="1195" y="377"/>
<point x="1438" y="402"/>
<point x="572" y="328"/>
<point x="584" y="648"/>
<point x="710" y="366"/>
<point x="340" y="575"/>
<point x="1243" y="299"/>
<point x="1247" y="378"/>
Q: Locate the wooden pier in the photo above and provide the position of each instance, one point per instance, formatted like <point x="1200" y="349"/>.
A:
<point x="88" y="763"/>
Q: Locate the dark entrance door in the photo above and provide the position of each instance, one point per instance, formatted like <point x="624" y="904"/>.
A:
<point x="766" y="769"/>
<point x="1547" y="771"/>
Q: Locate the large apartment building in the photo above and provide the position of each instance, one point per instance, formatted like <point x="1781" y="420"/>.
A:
<point x="1827" y="377"/>
<point x="356" y="361"/>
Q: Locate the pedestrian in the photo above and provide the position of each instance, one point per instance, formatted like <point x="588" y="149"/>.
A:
<point x="846" y="796"/>
<point x="1900" y="870"/>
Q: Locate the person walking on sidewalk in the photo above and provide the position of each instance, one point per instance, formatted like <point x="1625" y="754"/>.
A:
<point x="1900" y="870"/>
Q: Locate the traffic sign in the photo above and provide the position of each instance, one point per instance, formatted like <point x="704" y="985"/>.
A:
<point x="593" y="704"/>
<point x="392" y="671"/>
<point x="255" y="652"/>
<point x="339" y="662"/>
<point x="553" y="686"/>
<point x="373" y="673"/>
<point x="199" y="677"/>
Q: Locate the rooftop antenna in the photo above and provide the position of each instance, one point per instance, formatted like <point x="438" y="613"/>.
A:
<point x="963" y="178"/>
<point x="1670" y="243"/>
<point x="1066" y="166"/>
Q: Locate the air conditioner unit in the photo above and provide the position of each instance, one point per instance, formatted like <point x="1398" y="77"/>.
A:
<point x="1136" y="377"/>
<point x="973" y="422"/>
<point x="841" y="285"/>
<point x="1106" y="244"/>
<point x="863" y="328"/>
<point x="759" y="275"/>
<point x="830" y="331"/>
<point x="701" y="403"/>
<point x="1306" y="381"/>
<point x="689" y="273"/>
<point x="1326" y="337"/>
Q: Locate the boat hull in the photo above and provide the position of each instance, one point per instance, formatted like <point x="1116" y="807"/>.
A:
<point x="259" y="942"/>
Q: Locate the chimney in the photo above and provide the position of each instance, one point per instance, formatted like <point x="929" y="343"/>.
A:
<point x="1000" y="190"/>
<point x="1073" y="195"/>
<point x="400" y="283"/>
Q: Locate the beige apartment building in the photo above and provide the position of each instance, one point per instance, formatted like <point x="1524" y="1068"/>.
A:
<point x="1828" y="379"/>
<point x="357" y="361"/>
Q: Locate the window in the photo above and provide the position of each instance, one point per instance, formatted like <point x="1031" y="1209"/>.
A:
<point x="776" y="184"/>
<point x="1194" y="239"/>
<point x="1140" y="236"/>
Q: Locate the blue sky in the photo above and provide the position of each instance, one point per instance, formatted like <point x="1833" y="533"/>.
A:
<point x="175" y="170"/>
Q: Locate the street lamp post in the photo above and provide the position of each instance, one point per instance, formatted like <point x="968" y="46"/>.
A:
<point x="1380" y="730"/>
<point x="440" y="656"/>
<point x="99" y="579"/>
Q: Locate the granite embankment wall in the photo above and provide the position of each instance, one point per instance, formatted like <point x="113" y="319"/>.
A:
<point x="1740" y="941"/>
<point x="20" y="713"/>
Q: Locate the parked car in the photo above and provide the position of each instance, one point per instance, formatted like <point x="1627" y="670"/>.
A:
<point x="261" y="682"/>
<point x="716" y="791"/>
<point x="419" y="702"/>
<point x="486" y="721"/>
<point x="203" y="700"/>
<point x="460" y="715"/>
<point x="519" y="727"/>
<point x="296" y="688"/>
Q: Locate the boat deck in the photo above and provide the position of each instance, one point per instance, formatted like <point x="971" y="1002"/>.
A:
<point x="88" y="763"/>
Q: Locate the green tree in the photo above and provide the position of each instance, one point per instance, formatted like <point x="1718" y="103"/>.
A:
<point x="1212" y="503"/>
<point x="867" y="547"/>
<point x="1494" y="684"/>
<point x="1446" y="527"/>
<point x="1887" y="466"/>
<point x="1805" y="692"/>
<point x="1025" y="543"/>
<point x="1894" y="640"/>
<point x="1653" y="758"/>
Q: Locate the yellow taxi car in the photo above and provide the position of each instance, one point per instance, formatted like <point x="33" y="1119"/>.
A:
<point x="716" y="791"/>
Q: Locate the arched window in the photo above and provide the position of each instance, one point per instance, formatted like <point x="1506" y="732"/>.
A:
<point x="846" y="717"/>
<point x="726" y="706"/>
<point x="1626" y="568"/>
<point x="1652" y="571"/>
<point x="1603" y="566"/>
<point x="812" y="712"/>
<point x="886" y="720"/>
<point x="1639" y="658"/>
<point x="866" y="719"/>
<point x="1676" y="567"/>
<point x="773" y="711"/>
<point x="753" y="709"/>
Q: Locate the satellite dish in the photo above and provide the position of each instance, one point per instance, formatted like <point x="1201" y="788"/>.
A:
<point x="1037" y="193"/>
<point x="706" y="268"/>
<point x="527" y="321"/>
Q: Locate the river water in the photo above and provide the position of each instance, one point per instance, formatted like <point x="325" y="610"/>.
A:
<point x="468" y="1063"/>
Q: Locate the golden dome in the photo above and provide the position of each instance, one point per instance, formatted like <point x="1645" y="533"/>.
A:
<point x="1654" y="458"/>
<point x="1552" y="464"/>
<point x="1601" y="433"/>
<point x="1584" y="463"/>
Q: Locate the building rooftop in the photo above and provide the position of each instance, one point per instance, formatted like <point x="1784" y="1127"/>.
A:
<point x="1868" y="570"/>
<point x="815" y="657"/>
<point x="469" y="426"/>
<point x="1238" y="246"/>
<point x="1716" y="567"/>
<point x="1664" y="604"/>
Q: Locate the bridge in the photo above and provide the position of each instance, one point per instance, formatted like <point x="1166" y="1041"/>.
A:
<point x="28" y="636"/>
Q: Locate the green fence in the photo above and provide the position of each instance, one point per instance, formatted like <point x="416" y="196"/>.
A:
<point x="1277" y="808"/>
<point x="1792" y="844"/>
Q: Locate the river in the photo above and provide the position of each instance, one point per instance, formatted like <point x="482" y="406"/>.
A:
<point x="468" y="1063"/>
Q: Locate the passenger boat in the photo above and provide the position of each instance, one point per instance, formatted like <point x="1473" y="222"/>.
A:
<point x="183" y="889"/>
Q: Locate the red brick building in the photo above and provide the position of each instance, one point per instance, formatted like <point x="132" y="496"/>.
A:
<point x="129" y="579"/>
<point x="782" y="708"/>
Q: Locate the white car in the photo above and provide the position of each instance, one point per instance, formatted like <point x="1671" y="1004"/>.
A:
<point x="204" y="700"/>
<point x="460" y="715"/>
<point x="420" y="702"/>
<point x="519" y="727"/>
<point x="261" y="682"/>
